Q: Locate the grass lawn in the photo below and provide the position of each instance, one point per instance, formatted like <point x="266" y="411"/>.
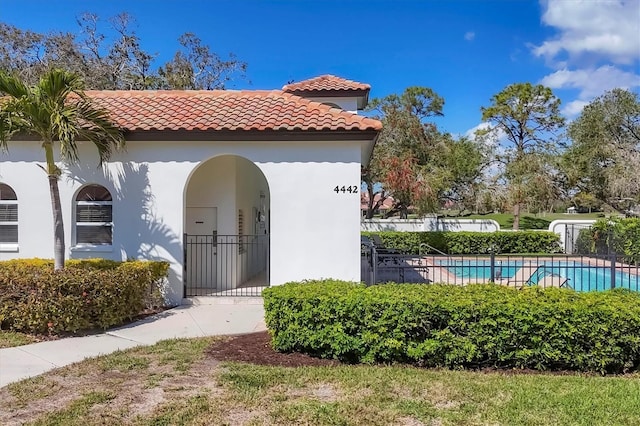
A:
<point x="175" y="382"/>
<point x="10" y="339"/>
<point x="531" y="221"/>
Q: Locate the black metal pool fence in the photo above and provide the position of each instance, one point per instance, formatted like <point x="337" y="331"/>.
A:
<point x="579" y="272"/>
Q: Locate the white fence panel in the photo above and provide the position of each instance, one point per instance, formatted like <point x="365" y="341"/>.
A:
<point x="562" y="226"/>
<point x="429" y="224"/>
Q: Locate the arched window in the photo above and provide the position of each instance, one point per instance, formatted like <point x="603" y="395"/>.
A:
<point x="94" y="213"/>
<point x="8" y="216"/>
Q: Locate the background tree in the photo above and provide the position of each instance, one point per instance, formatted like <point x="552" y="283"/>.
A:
<point x="586" y="201"/>
<point x="415" y="163"/>
<point x="603" y="159"/>
<point x="122" y="64"/>
<point x="57" y="111"/>
<point x="460" y="164"/>
<point x="527" y="118"/>
<point x="196" y="67"/>
<point x="545" y="187"/>
<point x="20" y="52"/>
<point x="402" y="149"/>
<point x="490" y="195"/>
<point x="109" y="55"/>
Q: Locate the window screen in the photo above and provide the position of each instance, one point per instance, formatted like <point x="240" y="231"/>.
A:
<point x="8" y="215"/>
<point x="94" y="216"/>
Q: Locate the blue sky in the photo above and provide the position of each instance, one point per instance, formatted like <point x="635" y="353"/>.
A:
<point x="464" y="50"/>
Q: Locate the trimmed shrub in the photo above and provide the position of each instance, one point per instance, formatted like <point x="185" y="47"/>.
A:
<point x="453" y="326"/>
<point x="620" y="236"/>
<point x="86" y="294"/>
<point x="520" y="242"/>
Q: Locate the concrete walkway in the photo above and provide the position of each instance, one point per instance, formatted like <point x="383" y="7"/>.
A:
<point x="202" y="318"/>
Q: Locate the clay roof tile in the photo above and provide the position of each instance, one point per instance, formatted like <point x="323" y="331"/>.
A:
<point x="224" y="110"/>
<point x="326" y="82"/>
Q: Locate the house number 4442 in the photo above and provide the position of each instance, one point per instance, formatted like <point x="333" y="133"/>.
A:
<point x="345" y="189"/>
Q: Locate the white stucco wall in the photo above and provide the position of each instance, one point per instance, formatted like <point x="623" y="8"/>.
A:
<point x="213" y="184"/>
<point x="314" y="231"/>
<point x="399" y="225"/>
<point x="560" y="227"/>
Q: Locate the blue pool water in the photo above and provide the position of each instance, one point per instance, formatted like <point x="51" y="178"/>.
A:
<point x="580" y="276"/>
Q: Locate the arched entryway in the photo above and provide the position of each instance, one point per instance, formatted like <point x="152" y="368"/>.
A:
<point x="226" y="229"/>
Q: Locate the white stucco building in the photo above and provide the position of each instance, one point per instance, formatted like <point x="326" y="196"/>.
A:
<point x="235" y="189"/>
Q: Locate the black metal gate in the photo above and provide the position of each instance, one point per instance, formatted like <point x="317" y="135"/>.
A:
<point x="573" y="234"/>
<point x="388" y="265"/>
<point x="225" y="265"/>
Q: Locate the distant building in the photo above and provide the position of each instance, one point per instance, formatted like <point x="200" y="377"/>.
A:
<point x="386" y="206"/>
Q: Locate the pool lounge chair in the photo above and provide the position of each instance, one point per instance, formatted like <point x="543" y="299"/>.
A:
<point x="553" y="281"/>
<point x="522" y="277"/>
<point x="380" y="247"/>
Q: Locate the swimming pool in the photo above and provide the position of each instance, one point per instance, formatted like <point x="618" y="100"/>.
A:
<point x="579" y="276"/>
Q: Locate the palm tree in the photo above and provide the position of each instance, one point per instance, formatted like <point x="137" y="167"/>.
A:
<point x="59" y="113"/>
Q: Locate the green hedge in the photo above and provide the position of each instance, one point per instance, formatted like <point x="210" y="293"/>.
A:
<point x="472" y="242"/>
<point x="85" y="294"/>
<point x="454" y="326"/>
<point x="620" y="236"/>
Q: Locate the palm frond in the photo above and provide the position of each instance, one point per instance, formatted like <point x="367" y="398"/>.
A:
<point x="57" y="85"/>
<point x="6" y="130"/>
<point x="11" y="119"/>
<point x="12" y="86"/>
<point x="99" y="129"/>
<point x="57" y="110"/>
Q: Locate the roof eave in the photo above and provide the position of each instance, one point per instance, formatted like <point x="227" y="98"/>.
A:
<point x="251" y="135"/>
<point x="368" y="151"/>
<point x="362" y="95"/>
<point x="236" y="135"/>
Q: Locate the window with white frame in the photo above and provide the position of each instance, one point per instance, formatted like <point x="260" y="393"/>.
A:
<point x="8" y="216"/>
<point x="94" y="216"/>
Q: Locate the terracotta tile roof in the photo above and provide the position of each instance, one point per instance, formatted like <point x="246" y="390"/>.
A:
<point x="325" y="83"/>
<point x="215" y="110"/>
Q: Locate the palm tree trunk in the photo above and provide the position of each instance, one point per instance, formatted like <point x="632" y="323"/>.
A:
<point x="58" y="226"/>
<point x="53" y="174"/>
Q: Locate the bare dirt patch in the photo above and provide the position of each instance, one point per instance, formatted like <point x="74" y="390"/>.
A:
<point x="325" y="392"/>
<point x="241" y="416"/>
<point x="255" y="348"/>
<point x="14" y="412"/>
<point x="137" y="392"/>
<point x="148" y="401"/>
<point x="410" y="421"/>
<point x="440" y="396"/>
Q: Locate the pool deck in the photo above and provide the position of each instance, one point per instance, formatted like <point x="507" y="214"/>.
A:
<point x="434" y="269"/>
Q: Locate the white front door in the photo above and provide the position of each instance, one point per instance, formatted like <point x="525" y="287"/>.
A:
<point x="202" y="220"/>
<point x="201" y="229"/>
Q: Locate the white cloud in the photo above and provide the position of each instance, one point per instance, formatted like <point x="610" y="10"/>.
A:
<point x="605" y="30"/>
<point x="592" y="82"/>
<point x="469" y="35"/>
<point x="494" y="140"/>
<point x="471" y="133"/>
<point x="596" y="47"/>
<point x="574" y="108"/>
